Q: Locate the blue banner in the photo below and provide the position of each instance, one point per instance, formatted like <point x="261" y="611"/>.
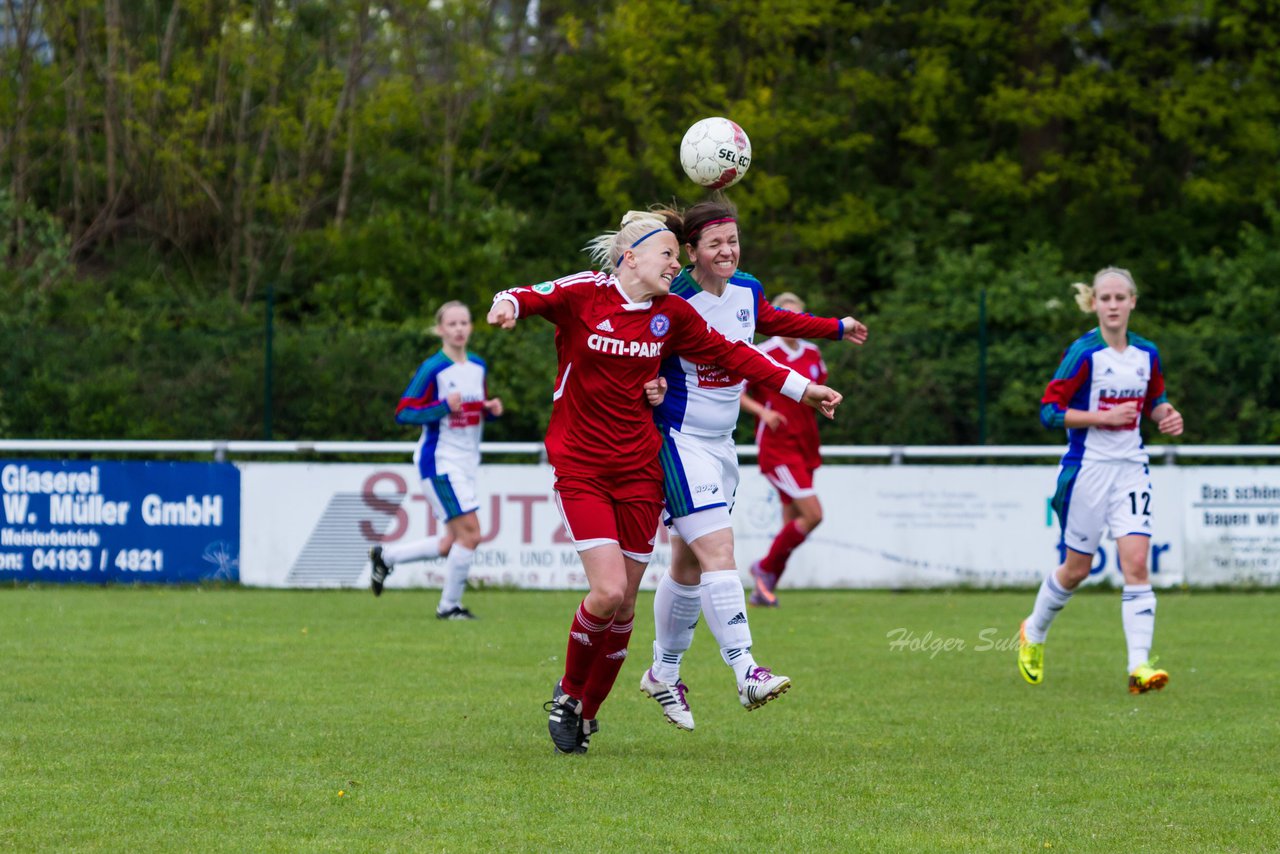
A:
<point x="129" y="522"/>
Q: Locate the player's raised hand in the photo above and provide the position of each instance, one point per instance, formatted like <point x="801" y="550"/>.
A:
<point x="822" y="398"/>
<point x="854" y="330"/>
<point x="493" y="406"/>
<point x="655" y="391"/>
<point x="502" y="315"/>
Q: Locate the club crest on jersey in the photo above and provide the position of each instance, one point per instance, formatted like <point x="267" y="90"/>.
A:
<point x="744" y="315"/>
<point x="659" y="325"/>
<point x="544" y="288"/>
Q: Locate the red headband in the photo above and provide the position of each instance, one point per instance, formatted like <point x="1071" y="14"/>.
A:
<point x="699" y="229"/>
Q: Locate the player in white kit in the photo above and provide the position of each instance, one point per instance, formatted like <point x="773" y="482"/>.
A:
<point x="449" y="397"/>
<point x="700" y="466"/>
<point x="1109" y="379"/>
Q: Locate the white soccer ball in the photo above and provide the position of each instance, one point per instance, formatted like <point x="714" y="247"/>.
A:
<point x="715" y="153"/>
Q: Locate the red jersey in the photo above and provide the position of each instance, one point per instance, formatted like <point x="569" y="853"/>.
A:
<point x="795" y="442"/>
<point x="608" y="348"/>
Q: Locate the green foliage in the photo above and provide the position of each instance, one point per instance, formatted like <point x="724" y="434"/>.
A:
<point x="365" y="164"/>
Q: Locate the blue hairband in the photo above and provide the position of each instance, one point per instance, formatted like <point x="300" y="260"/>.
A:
<point x="638" y="242"/>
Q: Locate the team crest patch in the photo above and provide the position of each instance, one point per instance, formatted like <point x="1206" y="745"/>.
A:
<point x="659" y="325"/>
<point x="544" y="288"/>
<point x="744" y="315"/>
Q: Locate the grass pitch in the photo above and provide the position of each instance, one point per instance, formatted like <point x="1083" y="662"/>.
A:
<point x="250" y="720"/>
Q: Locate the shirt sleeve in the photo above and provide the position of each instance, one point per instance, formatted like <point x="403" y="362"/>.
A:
<point x="1071" y="376"/>
<point x="554" y="300"/>
<point x="791" y="324"/>
<point x="694" y="339"/>
<point x="1155" y="386"/>
<point x="420" y="404"/>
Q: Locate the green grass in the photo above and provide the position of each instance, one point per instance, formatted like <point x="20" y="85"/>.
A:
<point x="223" y="719"/>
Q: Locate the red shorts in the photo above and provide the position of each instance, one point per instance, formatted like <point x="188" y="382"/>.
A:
<point x="623" y="511"/>
<point x="792" y="480"/>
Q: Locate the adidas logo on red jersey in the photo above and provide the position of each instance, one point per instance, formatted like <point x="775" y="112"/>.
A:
<point x="605" y="325"/>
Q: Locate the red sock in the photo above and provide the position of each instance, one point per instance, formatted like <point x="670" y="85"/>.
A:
<point x="586" y="639"/>
<point x="604" y="671"/>
<point x="783" y="545"/>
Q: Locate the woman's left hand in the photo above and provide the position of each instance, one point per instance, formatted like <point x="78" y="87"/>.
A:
<point x="1170" y="422"/>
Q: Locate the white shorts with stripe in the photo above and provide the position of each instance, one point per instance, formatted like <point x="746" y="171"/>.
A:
<point x="1094" y="497"/>
<point x="450" y="489"/>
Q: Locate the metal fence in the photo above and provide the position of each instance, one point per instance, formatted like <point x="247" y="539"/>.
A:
<point x="222" y="450"/>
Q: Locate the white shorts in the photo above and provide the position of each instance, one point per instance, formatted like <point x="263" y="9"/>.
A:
<point x="450" y="490"/>
<point x="1093" y="497"/>
<point x="697" y="474"/>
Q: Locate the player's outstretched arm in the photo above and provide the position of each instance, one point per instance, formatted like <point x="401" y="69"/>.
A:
<point x="822" y="398"/>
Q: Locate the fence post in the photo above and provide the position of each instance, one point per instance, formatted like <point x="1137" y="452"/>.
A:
<point x="268" y="359"/>
<point x="982" y="367"/>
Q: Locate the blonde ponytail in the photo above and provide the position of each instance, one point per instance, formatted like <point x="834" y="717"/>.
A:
<point x="1084" y="297"/>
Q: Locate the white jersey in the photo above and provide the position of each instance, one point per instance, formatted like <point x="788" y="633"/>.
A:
<point x="703" y="399"/>
<point x="1094" y="377"/>
<point x="450" y="440"/>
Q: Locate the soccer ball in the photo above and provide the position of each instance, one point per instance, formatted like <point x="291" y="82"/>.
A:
<point x="715" y="153"/>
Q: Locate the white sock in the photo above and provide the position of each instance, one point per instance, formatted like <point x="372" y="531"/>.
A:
<point x="725" y="606"/>
<point x="456" y="568"/>
<point x="1138" y="611"/>
<point x="412" y="550"/>
<point x="675" y="614"/>
<point x="1051" y="599"/>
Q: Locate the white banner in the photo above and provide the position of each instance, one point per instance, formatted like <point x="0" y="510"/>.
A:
<point x="1232" y="525"/>
<point x="311" y="525"/>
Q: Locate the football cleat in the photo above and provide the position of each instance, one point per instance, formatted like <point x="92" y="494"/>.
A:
<point x="765" y="583"/>
<point x="670" y="697"/>
<point x="564" y="722"/>
<point x="455" y="613"/>
<point x="1146" y="678"/>
<point x="1030" y="657"/>
<point x="761" y="686"/>
<point x="380" y="570"/>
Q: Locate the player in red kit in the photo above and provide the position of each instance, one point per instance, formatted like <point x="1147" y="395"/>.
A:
<point x="787" y="437"/>
<point x="613" y="329"/>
